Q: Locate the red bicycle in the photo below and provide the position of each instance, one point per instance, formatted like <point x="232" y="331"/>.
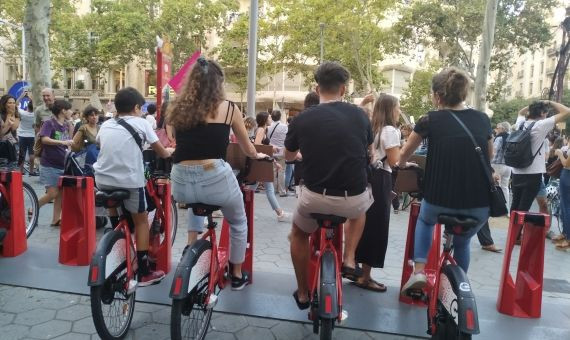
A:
<point x="204" y="269"/>
<point x="452" y="309"/>
<point x="325" y="276"/>
<point x="113" y="268"/>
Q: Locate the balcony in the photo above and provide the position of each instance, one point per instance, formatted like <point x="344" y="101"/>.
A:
<point x="550" y="71"/>
<point x="520" y="74"/>
<point x="75" y="93"/>
<point x="552" y="51"/>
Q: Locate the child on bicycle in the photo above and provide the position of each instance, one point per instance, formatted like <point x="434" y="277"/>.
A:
<point x="120" y="166"/>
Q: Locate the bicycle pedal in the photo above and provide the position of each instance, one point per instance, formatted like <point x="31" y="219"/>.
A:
<point x="212" y="301"/>
<point x="132" y="286"/>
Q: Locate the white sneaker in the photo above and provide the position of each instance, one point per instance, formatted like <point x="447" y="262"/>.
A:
<point x="283" y="217"/>
<point x="416" y="282"/>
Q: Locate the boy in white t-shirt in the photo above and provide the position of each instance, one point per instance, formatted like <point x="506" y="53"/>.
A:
<point x="120" y="166"/>
<point x="526" y="181"/>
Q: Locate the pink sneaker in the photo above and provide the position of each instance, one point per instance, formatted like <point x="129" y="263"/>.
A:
<point x="151" y="278"/>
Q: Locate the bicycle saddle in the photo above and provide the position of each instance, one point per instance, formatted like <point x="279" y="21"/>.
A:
<point x="110" y="199"/>
<point x="200" y="209"/>
<point x="451" y="222"/>
<point x="328" y="221"/>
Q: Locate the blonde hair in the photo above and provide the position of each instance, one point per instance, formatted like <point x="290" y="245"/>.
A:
<point x="383" y="112"/>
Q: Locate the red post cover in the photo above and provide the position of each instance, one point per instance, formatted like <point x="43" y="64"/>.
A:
<point x="77" y="231"/>
<point x="15" y="241"/>
<point x="523" y="298"/>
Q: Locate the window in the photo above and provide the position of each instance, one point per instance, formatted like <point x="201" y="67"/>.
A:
<point x="530" y="86"/>
<point x="532" y="71"/>
<point x="541" y="67"/>
<point x="540" y="85"/>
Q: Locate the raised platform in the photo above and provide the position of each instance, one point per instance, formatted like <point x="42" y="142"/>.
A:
<point x="270" y="297"/>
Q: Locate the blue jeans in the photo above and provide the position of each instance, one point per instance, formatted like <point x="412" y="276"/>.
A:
<point x="288" y="174"/>
<point x="270" y="193"/>
<point x="215" y="185"/>
<point x="564" y="191"/>
<point x="424" y="232"/>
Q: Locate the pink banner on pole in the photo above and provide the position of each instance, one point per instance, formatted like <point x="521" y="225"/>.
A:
<point x="177" y="81"/>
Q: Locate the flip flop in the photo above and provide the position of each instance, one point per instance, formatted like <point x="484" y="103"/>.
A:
<point x="351" y="273"/>
<point x="492" y="248"/>
<point x="56" y="224"/>
<point x="301" y="305"/>
<point x="375" y="287"/>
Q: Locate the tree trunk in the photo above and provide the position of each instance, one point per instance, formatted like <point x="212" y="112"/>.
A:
<point x="480" y="98"/>
<point x="36" y="23"/>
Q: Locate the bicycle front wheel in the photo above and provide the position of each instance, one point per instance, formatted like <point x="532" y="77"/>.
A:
<point x="326" y="329"/>
<point x="112" y="307"/>
<point x="31" y="208"/>
<point x="190" y="317"/>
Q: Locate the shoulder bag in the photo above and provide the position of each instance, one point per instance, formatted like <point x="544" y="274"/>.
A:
<point x="497" y="202"/>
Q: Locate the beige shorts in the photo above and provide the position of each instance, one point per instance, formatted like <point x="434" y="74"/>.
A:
<point x="309" y="202"/>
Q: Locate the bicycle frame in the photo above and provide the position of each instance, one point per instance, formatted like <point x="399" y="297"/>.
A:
<point x="217" y="261"/>
<point x="325" y="243"/>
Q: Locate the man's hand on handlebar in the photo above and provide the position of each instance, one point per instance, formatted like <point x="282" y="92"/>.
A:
<point x="262" y="156"/>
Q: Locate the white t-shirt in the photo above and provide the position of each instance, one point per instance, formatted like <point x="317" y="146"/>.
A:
<point x="538" y="136"/>
<point x="120" y="161"/>
<point x="27" y="120"/>
<point x="389" y="138"/>
<point x="277" y="133"/>
<point x="152" y="121"/>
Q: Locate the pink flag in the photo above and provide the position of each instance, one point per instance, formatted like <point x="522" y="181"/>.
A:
<point x="177" y="81"/>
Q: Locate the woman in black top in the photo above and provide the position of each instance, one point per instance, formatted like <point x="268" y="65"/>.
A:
<point x="455" y="181"/>
<point x="202" y="118"/>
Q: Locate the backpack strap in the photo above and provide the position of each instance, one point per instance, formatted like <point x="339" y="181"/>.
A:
<point x="275" y="128"/>
<point x="541" y="145"/>
<point x="132" y="131"/>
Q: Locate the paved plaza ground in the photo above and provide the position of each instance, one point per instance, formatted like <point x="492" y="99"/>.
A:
<point x="37" y="314"/>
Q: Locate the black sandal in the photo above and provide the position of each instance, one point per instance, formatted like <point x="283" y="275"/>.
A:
<point x="301" y="305"/>
<point x="351" y="273"/>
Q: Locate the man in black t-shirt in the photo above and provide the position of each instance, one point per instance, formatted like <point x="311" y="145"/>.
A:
<point x="334" y="139"/>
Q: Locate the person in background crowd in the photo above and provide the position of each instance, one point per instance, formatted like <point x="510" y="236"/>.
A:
<point x="202" y="118"/>
<point x="371" y="250"/>
<point x="250" y="127"/>
<point x="261" y="137"/>
<point x="503" y="174"/>
<point x="164" y="123"/>
<point x="55" y="139"/>
<point x="87" y="133"/>
<point x="563" y="242"/>
<point x="335" y="140"/>
<point x="43" y="112"/>
<point x="277" y="132"/>
<point x="9" y="120"/>
<point x="26" y="136"/>
<point x="526" y="182"/>
<point x="455" y="182"/>
<point x="75" y="117"/>
<point x="556" y="143"/>
<point x="151" y="115"/>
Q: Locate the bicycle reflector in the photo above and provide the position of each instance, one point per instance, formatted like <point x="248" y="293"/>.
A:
<point x="177" y="285"/>
<point x="328" y="304"/>
<point x="470" y="319"/>
<point x="94" y="273"/>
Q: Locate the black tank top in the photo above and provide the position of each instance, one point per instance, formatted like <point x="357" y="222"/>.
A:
<point x="206" y="141"/>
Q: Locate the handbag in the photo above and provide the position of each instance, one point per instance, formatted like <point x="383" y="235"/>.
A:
<point x="409" y="180"/>
<point x="38" y="146"/>
<point x="497" y="202"/>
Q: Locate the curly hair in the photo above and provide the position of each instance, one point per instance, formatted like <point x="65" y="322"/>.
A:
<point x="3" y="109"/>
<point x="202" y="94"/>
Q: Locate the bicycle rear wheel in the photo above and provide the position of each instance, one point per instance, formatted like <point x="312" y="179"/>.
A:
<point x="190" y="317"/>
<point x="325" y="332"/>
<point x="112" y="307"/>
<point x="31" y="208"/>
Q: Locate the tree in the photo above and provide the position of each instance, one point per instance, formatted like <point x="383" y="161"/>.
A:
<point x="507" y="110"/>
<point x="416" y="100"/>
<point x="232" y="53"/>
<point x="187" y="24"/>
<point x="453" y="28"/>
<point x="36" y="22"/>
<point x="352" y="36"/>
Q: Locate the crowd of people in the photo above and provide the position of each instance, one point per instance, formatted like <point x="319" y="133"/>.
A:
<point x="348" y="163"/>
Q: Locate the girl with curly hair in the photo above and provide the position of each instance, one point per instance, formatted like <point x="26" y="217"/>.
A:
<point x="202" y="118"/>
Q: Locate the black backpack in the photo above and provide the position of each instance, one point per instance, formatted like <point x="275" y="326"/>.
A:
<point x="518" y="148"/>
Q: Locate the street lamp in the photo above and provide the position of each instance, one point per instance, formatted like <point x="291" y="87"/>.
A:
<point x="322" y="26"/>
<point x="21" y="28"/>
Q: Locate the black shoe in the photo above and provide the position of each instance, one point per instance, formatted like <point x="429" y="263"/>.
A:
<point x="238" y="283"/>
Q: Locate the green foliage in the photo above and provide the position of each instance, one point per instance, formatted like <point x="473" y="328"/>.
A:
<point x="416" y="99"/>
<point x="352" y="36"/>
<point x="454" y="27"/>
<point x="506" y="111"/>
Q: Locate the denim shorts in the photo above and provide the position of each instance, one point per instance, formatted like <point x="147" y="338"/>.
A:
<point x="49" y="176"/>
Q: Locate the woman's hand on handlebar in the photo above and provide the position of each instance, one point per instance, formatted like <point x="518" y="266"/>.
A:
<point x="261" y="155"/>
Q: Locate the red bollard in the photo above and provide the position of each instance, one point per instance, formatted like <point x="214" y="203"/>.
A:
<point x="523" y="298"/>
<point x="77" y="235"/>
<point x="15" y="241"/>
<point x="163" y="250"/>
<point x="431" y="268"/>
